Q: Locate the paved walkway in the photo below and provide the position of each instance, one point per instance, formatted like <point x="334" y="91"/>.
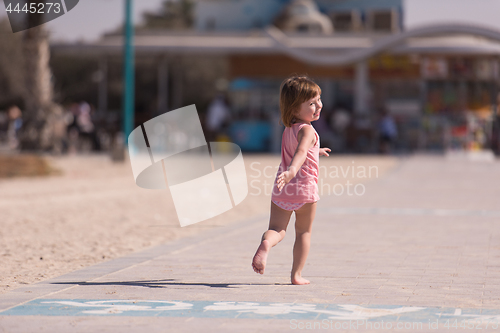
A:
<point x="417" y="252"/>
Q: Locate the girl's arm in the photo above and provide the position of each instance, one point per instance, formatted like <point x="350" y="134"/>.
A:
<point x="306" y="139"/>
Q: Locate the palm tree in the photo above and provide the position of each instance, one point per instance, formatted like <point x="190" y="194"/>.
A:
<point x="11" y="65"/>
<point x="40" y="113"/>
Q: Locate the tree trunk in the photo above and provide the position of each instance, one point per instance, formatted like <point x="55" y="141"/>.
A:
<point x="40" y="111"/>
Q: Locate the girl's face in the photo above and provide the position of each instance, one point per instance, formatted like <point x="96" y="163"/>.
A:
<point x="310" y="110"/>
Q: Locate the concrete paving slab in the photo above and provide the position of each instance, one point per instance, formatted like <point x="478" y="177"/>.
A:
<point x="418" y="247"/>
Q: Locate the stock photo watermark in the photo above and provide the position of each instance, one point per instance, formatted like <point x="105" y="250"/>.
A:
<point x="205" y="179"/>
<point x="26" y="14"/>
<point x="363" y="324"/>
<point x="333" y="180"/>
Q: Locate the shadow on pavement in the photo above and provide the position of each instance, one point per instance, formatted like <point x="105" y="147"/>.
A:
<point x="166" y="283"/>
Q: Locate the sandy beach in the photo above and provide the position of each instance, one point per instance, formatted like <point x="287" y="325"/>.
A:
<point x="92" y="211"/>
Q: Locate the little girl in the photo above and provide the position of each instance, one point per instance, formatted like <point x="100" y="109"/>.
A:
<point x="296" y="184"/>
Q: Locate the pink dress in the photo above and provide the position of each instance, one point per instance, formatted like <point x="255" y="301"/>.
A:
<point x="303" y="188"/>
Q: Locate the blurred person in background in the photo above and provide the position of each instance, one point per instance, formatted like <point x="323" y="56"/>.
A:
<point x="87" y="131"/>
<point x="80" y="128"/>
<point x="217" y="117"/>
<point x="387" y="132"/>
<point x="15" y="124"/>
<point x="340" y="120"/>
<point x="495" y="130"/>
<point x="59" y="129"/>
<point x="73" y="130"/>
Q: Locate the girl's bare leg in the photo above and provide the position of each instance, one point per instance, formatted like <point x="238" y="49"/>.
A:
<point x="303" y="226"/>
<point x="277" y="229"/>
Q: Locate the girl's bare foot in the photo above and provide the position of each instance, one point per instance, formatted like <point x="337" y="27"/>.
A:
<point x="260" y="257"/>
<point x="299" y="280"/>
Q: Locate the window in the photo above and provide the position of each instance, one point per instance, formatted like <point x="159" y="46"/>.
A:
<point x="346" y="21"/>
<point x="383" y="21"/>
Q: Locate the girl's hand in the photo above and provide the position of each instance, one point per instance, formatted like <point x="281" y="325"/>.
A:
<point x="284" y="178"/>
<point x="324" y="151"/>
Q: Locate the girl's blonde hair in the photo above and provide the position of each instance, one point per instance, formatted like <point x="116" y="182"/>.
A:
<point x="294" y="91"/>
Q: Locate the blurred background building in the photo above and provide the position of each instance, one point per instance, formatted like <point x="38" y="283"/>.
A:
<point x="439" y="84"/>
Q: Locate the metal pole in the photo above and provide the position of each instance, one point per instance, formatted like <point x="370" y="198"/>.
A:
<point x="128" y="94"/>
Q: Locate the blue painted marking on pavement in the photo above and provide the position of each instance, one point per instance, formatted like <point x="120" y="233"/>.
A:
<point x="250" y="310"/>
